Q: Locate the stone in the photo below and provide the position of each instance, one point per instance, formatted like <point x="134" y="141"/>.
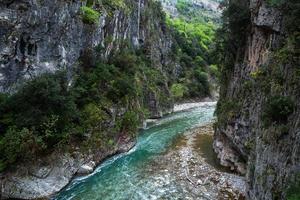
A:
<point x="268" y="17"/>
<point x="85" y="169"/>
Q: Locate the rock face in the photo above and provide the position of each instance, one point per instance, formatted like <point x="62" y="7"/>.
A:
<point x="49" y="175"/>
<point x="50" y="35"/>
<point x="43" y="36"/>
<point x="170" y="5"/>
<point x="270" y="153"/>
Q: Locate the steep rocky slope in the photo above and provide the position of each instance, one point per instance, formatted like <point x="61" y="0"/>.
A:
<point x="193" y="25"/>
<point x="258" y="130"/>
<point x="42" y="36"/>
<point x="48" y="36"/>
<point x="201" y="5"/>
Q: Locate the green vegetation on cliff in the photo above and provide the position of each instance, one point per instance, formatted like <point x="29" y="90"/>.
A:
<point x="89" y="15"/>
<point x="293" y="193"/>
<point x="194" y="35"/>
<point x="191" y="12"/>
<point x="230" y="40"/>
<point x="106" y="99"/>
<point x="259" y="96"/>
<point x="47" y="112"/>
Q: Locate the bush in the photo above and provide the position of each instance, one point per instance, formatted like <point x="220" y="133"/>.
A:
<point x="92" y="116"/>
<point x="38" y="99"/>
<point x="278" y="109"/>
<point x="47" y="112"/>
<point x="274" y="2"/>
<point x="178" y="90"/>
<point x="37" y="117"/>
<point x="226" y="111"/>
<point x="214" y="71"/>
<point x="126" y="61"/>
<point x="114" y="4"/>
<point x="193" y="36"/>
<point x="89" y="16"/>
<point x="293" y="192"/>
<point x="19" y="143"/>
<point x="130" y="122"/>
<point x="202" y="78"/>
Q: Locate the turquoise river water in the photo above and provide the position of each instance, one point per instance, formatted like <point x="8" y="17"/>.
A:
<point x="122" y="177"/>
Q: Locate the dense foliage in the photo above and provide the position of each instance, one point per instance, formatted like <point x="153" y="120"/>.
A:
<point x="294" y="191"/>
<point x="194" y="35"/>
<point x="89" y="15"/>
<point x="91" y="12"/>
<point x="105" y="99"/>
<point x="197" y="14"/>
<point x="48" y="112"/>
<point x="278" y="109"/>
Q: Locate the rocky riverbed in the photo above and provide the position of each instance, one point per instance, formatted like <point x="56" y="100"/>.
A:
<point x="192" y="166"/>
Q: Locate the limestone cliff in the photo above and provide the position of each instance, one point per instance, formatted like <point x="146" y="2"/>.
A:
<point x="47" y="36"/>
<point x="43" y="36"/>
<point x="258" y="130"/>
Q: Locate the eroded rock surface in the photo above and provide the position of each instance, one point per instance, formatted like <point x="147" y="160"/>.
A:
<point x="49" y="175"/>
<point x="270" y="154"/>
<point x="46" y="36"/>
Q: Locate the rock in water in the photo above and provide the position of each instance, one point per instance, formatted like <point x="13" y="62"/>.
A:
<point x="87" y="168"/>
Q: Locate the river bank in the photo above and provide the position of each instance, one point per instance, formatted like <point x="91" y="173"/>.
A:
<point x="47" y="176"/>
<point x="191" y="165"/>
<point x="126" y="176"/>
<point x="173" y="159"/>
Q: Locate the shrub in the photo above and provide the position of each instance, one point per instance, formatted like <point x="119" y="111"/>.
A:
<point x="293" y="193"/>
<point x="93" y="116"/>
<point x="214" y="71"/>
<point x="226" y="111"/>
<point x="40" y="98"/>
<point x="89" y="16"/>
<point x="47" y="111"/>
<point x="274" y="2"/>
<point x="126" y="61"/>
<point x="130" y="122"/>
<point x="88" y="82"/>
<point x="18" y="143"/>
<point x="178" y="90"/>
<point x="278" y="109"/>
<point x="202" y="78"/>
<point x="193" y="36"/>
<point x="37" y="117"/>
<point x="114" y="4"/>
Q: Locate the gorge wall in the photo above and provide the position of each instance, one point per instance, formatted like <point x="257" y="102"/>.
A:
<point x="43" y="36"/>
<point x="258" y="130"/>
<point x="38" y="37"/>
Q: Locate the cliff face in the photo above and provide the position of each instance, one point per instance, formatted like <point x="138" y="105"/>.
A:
<point x="258" y="130"/>
<point x="170" y="6"/>
<point x="43" y="36"/>
<point x="47" y="36"/>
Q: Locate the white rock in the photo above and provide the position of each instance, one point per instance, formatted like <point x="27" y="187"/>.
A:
<point x="199" y="182"/>
<point x="87" y="168"/>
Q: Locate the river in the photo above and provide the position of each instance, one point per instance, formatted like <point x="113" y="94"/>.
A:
<point x="127" y="176"/>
